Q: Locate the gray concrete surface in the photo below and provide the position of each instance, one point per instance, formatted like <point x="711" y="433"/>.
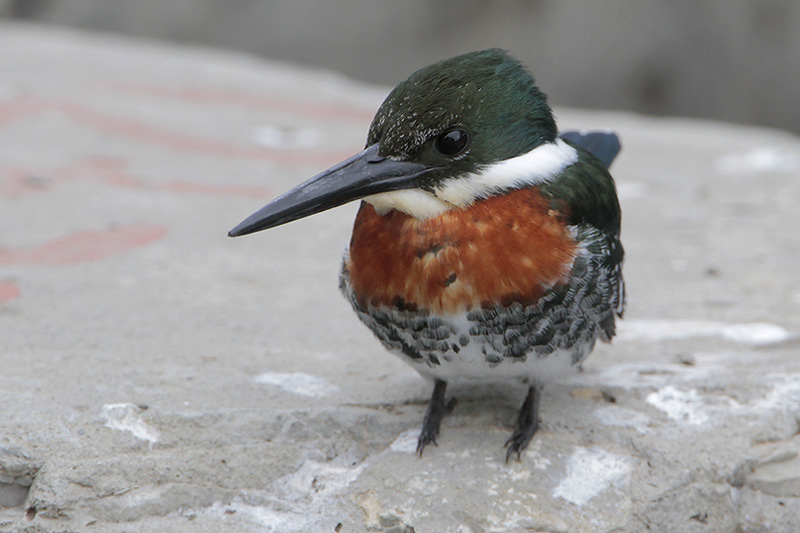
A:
<point x="734" y="60"/>
<point x="157" y="376"/>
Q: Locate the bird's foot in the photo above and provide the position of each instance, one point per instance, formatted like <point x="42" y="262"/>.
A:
<point x="527" y="424"/>
<point x="520" y="440"/>
<point x="437" y="410"/>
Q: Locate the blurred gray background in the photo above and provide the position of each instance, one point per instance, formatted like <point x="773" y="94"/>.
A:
<point x="732" y="60"/>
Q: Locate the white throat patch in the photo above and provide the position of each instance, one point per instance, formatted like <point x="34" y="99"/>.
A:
<point x="538" y="166"/>
<point x="415" y="202"/>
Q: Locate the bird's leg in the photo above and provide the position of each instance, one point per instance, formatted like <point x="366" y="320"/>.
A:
<point x="527" y="423"/>
<point x="437" y="410"/>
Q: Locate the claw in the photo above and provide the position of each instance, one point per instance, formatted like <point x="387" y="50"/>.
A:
<point x="527" y="424"/>
<point x="437" y="410"/>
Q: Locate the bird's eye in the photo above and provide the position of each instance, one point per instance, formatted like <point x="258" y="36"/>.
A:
<point x="452" y="142"/>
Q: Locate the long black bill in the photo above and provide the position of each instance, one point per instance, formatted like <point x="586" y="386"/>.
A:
<point x="364" y="174"/>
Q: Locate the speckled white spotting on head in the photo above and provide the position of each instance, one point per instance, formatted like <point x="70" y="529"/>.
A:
<point x="127" y="417"/>
<point x="538" y="166"/>
<point x="298" y="383"/>
<point x="755" y="334"/>
<point x="589" y="472"/>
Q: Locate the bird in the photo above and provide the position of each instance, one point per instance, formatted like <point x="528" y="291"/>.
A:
<point x="486" y="246"/>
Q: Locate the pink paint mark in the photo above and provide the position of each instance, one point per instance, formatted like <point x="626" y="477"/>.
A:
<point x="8" y="291"/>
<point x="84" y="247"/>
<point x="144" y="132"/>
<point x="114" y="172"/>
<point x="303" y="108"/>
<point x="15" y="182"/>
<point x="14" y="110"/>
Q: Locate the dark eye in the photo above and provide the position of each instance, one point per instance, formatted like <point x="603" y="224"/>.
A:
<point x="452" y="142"/>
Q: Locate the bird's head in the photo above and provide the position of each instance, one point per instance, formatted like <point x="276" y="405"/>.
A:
<point x="451" y="133"/>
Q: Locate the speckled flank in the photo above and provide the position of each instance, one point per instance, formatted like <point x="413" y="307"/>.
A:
<point x="535" y="342"/>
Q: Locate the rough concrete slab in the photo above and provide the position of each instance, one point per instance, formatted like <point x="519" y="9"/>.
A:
<point x="157" y="376"/>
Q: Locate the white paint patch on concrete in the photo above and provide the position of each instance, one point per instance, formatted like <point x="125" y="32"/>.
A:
<point x="317" y="480"/>
<point x="690" y="407"/>
<point x="754" y="334"/>
<point x="519" y="475"/>
<point x="534" y="455"/>
<point x="298" y="383"/>
<point x="623" y="417"/>
<point x="757" y="334"/>
<point x="590" y="471"/>
<point x="406" y="442"/>
<point x="424" y="484"/>
<point x="297" y="502"/>
<point x="684" y="406"/>
<point x="761" y="160"/>
<point x="541" y="463"/>
<point x="271" y="519"/>
<point x="127" y="417"/>
<point x="783" y="395"/>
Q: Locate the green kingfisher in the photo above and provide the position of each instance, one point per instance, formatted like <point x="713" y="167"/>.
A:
<point x="486" y="246"/>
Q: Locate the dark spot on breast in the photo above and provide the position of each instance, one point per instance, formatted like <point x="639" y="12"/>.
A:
<point x="401" y="305"/>
<point x="463" y="340"/>
<point x="435" y="249"/>
<point x="455" y="348"/>
<point x="511" y="298"/>
<point x="450" y="279"/>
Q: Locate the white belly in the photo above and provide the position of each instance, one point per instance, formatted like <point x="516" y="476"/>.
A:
<point x="470" y="364"/>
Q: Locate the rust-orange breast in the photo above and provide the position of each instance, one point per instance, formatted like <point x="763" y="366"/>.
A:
<point x="502" y="249"/>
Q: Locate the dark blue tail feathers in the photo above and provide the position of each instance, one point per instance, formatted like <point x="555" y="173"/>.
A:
<point x="604" y="145"/>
